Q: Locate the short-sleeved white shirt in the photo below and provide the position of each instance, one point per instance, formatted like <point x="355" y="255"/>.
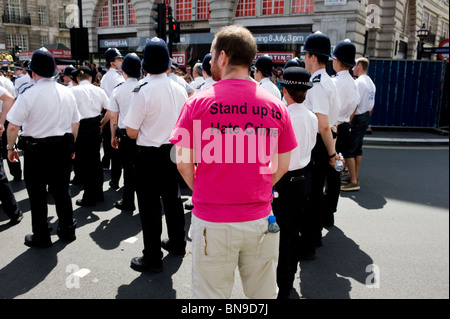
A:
<point x="154" y="110"/>
<point x="271" y="87"/>
<point x="91" y="99"/>
<point x="367" y="91"/>
<point x="110" y="80"/>
<point x="21" y="80"/>
<point x="48" y="109"/>
<point x="8" y="85"/>
<point x="323" y="97"/>
<point x="348" y="95"/>
<point x="121" y="99"/>
<point x="306" y="127"/>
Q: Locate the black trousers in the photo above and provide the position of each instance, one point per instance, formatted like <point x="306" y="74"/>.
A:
<point x="7" y="198"/>
<point x="296" y="223"/>
<point x="156" y="179"/>
<point x="325" y="188"/>
<point x="14" y="168"/>
<point x="48" y="164"/>
<point x="111" y="155"/>
<point x="87" y="158"/>
<point x="127" y="151"/>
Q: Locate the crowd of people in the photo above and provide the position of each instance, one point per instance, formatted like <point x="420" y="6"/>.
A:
<point x="249" y="142"/>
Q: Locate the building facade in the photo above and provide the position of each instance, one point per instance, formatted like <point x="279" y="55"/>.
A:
<point x="380" y="28"/>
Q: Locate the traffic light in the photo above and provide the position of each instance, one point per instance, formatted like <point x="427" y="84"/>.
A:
<point x="175" y="31"/>
<point x="160" y="18"/>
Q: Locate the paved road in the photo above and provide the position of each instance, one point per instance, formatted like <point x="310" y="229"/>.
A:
<point x="395" y="229"/>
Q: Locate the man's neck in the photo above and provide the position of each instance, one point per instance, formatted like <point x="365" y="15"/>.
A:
<point x="237" y="72"/>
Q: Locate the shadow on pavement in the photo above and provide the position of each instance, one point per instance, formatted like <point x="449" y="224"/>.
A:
<point x="28" y="270"/>
<point x="153" y="286"/>
<point x="339" y="258"/>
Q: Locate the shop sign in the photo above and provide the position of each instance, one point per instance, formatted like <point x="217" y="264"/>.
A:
<point x="180" y="58"/>
<point x="277" y="57"/>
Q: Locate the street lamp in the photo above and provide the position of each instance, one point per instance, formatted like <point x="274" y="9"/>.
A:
<point x="422" y="34"/>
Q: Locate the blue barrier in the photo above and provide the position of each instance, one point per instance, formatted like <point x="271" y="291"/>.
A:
<point x="408" y="92"/>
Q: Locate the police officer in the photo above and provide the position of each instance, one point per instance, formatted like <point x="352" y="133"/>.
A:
<point x="263" y="73"/>
<point x="68" y="76"/>
<point x="21" y="77"/>
<point x="156" y="105"/>
<point x="49" y="118"/>
<point x="290" y="207"/>
<point x="7" y="198"/>
<point x="206" y="67"/>
<point x="323" y="100"/>
<point x="343" y="60"/>
<point x="91" y="100"/>
<point x="110" y="80"/>
<point x="118" y="107"/>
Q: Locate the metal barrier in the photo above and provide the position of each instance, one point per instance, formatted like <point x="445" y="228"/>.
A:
<point x="410" y="93"/>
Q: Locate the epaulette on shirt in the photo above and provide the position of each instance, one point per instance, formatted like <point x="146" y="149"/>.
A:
<point x="25" y="88"/>
<point x="316" y="79"/>
<point x="137" y="88"/>
<point x="119" y="84"/>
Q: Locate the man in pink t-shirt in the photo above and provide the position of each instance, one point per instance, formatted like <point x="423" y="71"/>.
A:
<point x="240" y="138"/>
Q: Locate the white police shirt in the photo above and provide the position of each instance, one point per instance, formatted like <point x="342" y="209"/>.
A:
<point x="110" y="80"/>
<point x="271" y="87"/>
<point x="306" y="127"/>
<point x="181" y="82"/>
<point x="21" y="80"/>
<point x="156" y="106"/>
<point x="91" y="99"/>
<point x="8" y="85"/>
<point x="323" y="97"/>
<point x="121" y="99"/>
<point x="367" y="91"/>
<point x="208" y="82"/>
<point x="348" y="95"/>
<point x="49" y="109"/>
<point x="197" y="83"/>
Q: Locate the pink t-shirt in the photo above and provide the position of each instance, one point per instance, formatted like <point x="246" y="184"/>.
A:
<point x="234" y="128"/>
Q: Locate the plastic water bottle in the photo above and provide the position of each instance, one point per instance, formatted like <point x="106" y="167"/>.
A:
<point x="273" y="226"/>
<point x="339" y="164"/>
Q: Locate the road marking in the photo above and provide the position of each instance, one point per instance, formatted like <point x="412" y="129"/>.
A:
<point x="407" y="147"/>
<point x="81" y="273"/>
<point x="130" y="240"/>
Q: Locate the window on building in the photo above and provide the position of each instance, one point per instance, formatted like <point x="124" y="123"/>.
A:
<point x="14" y="8"/>
<point x="131" y="13"/>
<point x="44" y="40"/>
<point x="62" y="17"/>
<point x="42" y="14"/>
<point x="271" y="7"/>
<point x="203" y="10"/>
<point x="117" y="13"/>
<point x="104" y="15"/>
<point x="118" y="9"/>
<point x="65" y="41"/>
<point x="444" y="31"/>
<point x="13" y="40"/>
<point x="246" y="8"/>
<point x="183" y="10"/>
<point x="302" y="6"/>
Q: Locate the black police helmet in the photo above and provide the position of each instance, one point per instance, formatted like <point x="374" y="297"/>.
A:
<point x="318" y="44"/>
<point x="294" y="62"/>
<point x="206" y="65"/>
<point x="264" y="64"/>
<point x="131" y="65"/>
<point x="345" y="51"/>
<point x="297" y="78"/>
<point x="43" y="64"/>
<point x="68" y="71"/>
<point x="156" y="56"/>
<point x="111" y="54"/>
